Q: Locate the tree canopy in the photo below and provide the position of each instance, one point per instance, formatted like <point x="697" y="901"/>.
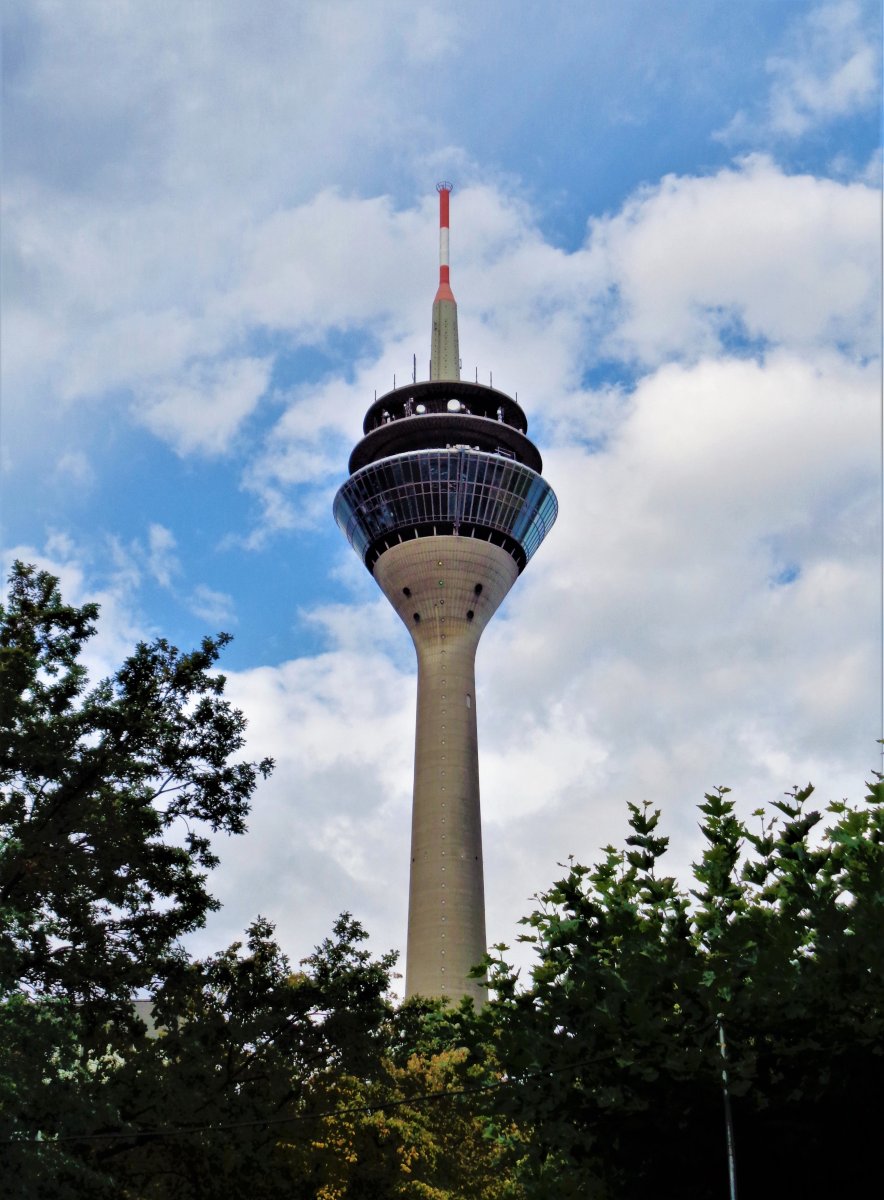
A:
<point x="108" y="798"/>
<point x="264" y="1080"/>
<point x="652" y="1006"/>
<point x="614" y="1051"/>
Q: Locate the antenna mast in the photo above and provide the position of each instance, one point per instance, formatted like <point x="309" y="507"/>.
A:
<point x="444" y="353"/>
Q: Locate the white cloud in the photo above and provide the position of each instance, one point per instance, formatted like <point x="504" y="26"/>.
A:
<point x="163" y="562"/>
<point x="201" y="409"/>
<point x="835" y="72"/>
<point x="329" y="831"/>
<point x="704" y="612"/>
<point x="332" y="263"/>
<point x="182" y="218"/>
<point x="793" y="271"/>
<point x="75" y="467"/>
<point x="660" y="649"/>
<point x="144" y="173"/>
<point x="750" y="251"/>
<point x="831" y="69"/>
<point x="217" y="608"/>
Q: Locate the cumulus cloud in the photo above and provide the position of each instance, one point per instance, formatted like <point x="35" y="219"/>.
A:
<point x="143" y="183"/>
<point x="656" y="281"/>
<point x="672" y="545"/>
<point x="331" y="263"/>
<point x="75" y="467"/>
<point x="711" y="573"/>
<point x="704" y="612"/>
<point x="182" y="222"/>
<point x="836" y="70"/>
<point x="751" y="253"/>
<point x="330" y="829"/>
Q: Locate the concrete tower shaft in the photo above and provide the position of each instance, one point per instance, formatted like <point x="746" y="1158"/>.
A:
<point x="445" y="504"/>
<point x="446" y="589"/>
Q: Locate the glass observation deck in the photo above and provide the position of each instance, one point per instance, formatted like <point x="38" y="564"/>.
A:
<point x="459" y="490"/>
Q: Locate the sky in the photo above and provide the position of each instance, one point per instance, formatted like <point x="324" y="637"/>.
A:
<point x="219" y="241"/>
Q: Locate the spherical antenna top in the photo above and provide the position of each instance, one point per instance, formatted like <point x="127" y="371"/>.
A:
<point x="444" y="186"/>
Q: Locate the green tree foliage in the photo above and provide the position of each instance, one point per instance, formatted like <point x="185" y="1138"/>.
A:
<point x="223" y="1103"/>
<point x="602" y="1077"/>
<point x="430" y="1135"/>
<point x="612" y="1051"/>
<point x="108" y="797"/>
<point x="269" y="1083"/>
<point x="262" y="1081"/>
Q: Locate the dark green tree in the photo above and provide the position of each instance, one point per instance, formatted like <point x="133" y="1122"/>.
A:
<point x="263" y="1081"/>
<point x="108" y="798"/>
<point x="227" y="1101"/>
<point x="601" y="1077"/>
<point x="612" y="1051"/>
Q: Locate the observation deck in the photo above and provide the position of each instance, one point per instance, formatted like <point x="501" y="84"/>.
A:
<point x="445" y="457"/>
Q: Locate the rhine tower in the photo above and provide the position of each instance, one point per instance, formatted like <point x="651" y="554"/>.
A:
<point x="445" y="504"/>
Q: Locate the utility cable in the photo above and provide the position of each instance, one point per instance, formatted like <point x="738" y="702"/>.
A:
<point x="347" y="1110"/>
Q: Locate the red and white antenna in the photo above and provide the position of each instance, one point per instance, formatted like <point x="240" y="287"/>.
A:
<point x="444" y="353"/>
<point x="444" y="292"/>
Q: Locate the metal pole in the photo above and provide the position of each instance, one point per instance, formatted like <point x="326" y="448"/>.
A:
<point x="728" y="1116"/>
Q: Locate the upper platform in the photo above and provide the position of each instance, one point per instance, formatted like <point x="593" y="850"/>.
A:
<point x="438" y="414"/>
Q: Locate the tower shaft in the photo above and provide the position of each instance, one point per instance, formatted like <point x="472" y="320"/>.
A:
<point x="454" y="586"/>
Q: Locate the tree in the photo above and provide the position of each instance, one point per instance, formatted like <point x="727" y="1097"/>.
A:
<point x="264" y="1080"/>
<point x="308" y="1085"/>
<point x="225" y="1102"/>
<point x="602" y="1077"/>
<point x="613" y="1050"/>
<point x="420" y="1129"/>
<point x="108" y="797"/>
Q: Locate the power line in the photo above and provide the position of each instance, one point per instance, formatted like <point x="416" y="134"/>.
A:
<point x="172" y="1131"/>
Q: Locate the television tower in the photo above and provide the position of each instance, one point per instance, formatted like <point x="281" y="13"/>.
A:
<point x="445" y="504"/>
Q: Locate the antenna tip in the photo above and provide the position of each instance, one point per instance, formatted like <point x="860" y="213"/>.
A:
<point x="444" y="186"/>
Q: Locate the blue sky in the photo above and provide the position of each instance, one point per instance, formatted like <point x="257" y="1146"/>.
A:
<point x="219" y="240"/>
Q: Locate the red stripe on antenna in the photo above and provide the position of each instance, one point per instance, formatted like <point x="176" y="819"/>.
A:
<point x="444" y="190"/>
